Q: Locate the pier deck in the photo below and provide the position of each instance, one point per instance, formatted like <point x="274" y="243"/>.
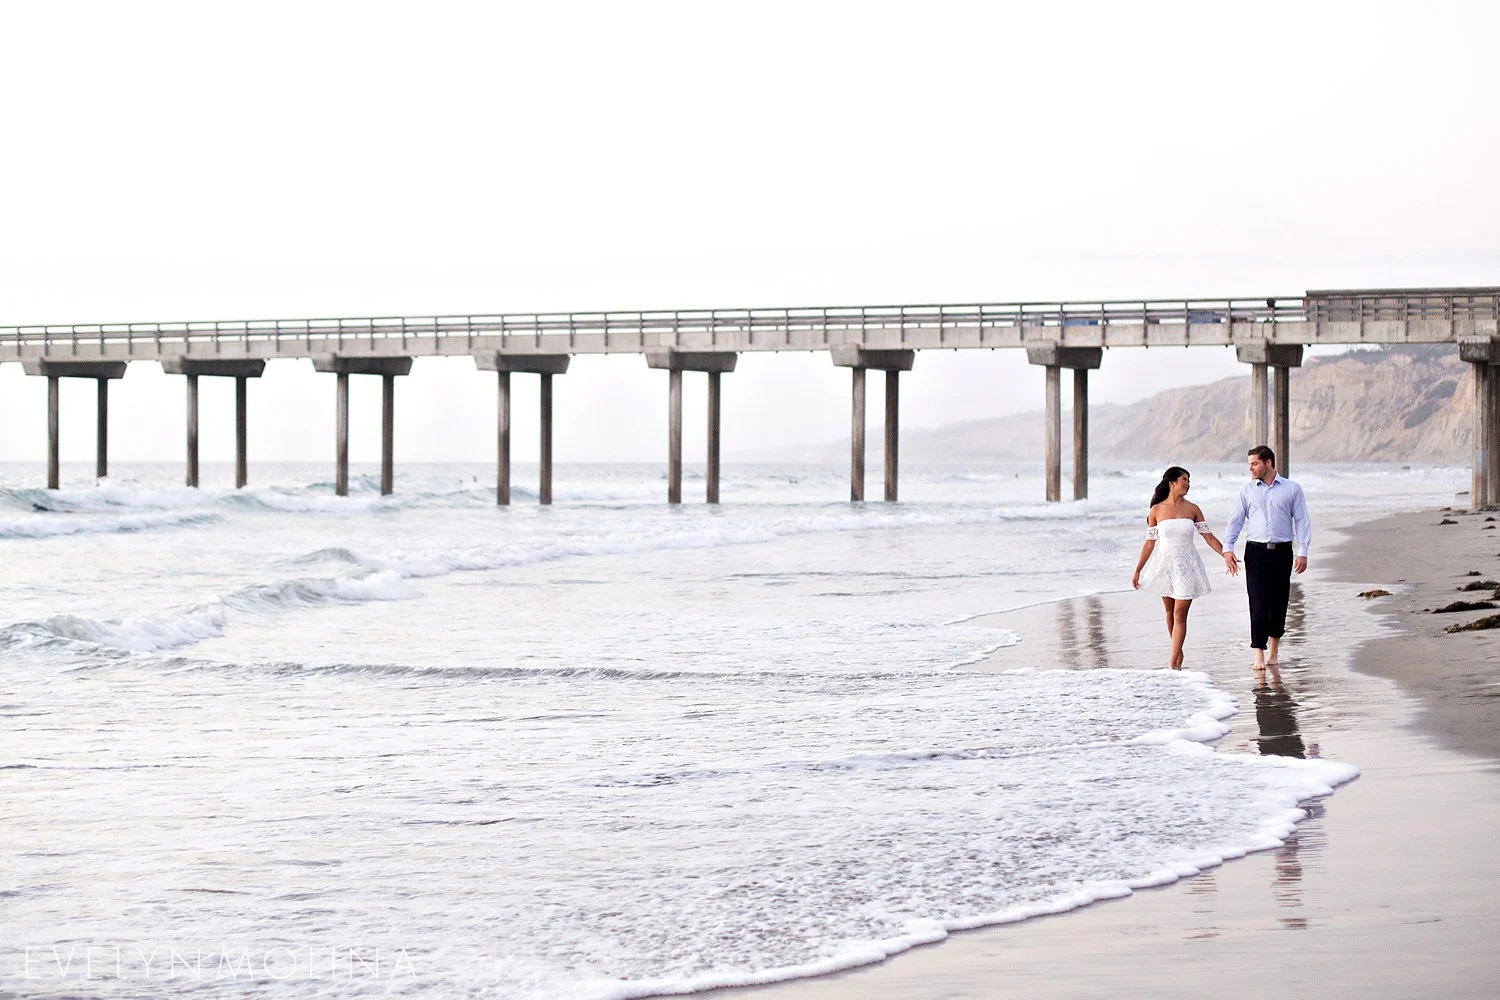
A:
<point x="1269" y="333"/>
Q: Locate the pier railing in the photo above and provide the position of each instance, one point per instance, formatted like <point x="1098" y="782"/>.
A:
<point x="924" y="326"/>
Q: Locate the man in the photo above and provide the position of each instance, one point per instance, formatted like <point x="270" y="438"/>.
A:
<point x="1273" y="513"/>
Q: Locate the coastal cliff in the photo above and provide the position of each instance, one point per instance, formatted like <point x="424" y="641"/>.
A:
<point x="1409" y="403"/>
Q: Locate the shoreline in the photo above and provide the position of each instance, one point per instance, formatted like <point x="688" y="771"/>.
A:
<point x="1400" y="907"/>
<point x="1454" y="680"/>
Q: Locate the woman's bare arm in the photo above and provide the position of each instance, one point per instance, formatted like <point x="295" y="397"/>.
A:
<point x="1146" y="549"/>
<point x="1208" y="536"/>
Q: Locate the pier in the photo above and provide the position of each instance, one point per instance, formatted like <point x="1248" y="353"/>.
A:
<point x="1269" y="335"/>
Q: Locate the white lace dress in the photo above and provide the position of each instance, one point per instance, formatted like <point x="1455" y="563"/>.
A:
<point x="1175" y="568"/>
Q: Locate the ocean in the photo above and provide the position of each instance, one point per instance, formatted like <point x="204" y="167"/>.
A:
<point x="277" y="743"/>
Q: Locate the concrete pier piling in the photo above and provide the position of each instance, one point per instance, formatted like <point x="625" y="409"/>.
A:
<point x="675" y="362"/>
<point x="893" y="363"/>
<point x="1080" y="433"/>
<point x="1483" y="355"/>
<point x="241" y="433"/>
<point x="1278" y="360"/>
<point x="341" y="436"/>
<point x="53" y="408"/>
<point x="1053" y="418"/>
<point x="1054" y="358"/>
<point x="544" y="452"/>
<point x="711" y="476"/>
<point x="102" y="372"/>
<point x="1260" y="414"/>
<point x="892" y="431"/>
<point x="674" y="436"/>
<point x="192" y="430"/>
<point x="505" y="363"/>
<point x="388" y="367"/>
<point x="1480" y="495"/>
<point x="502" y="456"/>
<point x="387" y="434"/>
<point x="857" y="437"/>
<point x="101" y="436"/>
<point x="1281" y="418"/>
<point x="238" y="369"/>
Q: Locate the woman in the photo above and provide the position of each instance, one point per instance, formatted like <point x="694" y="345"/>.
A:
<point x="1177" y="572"/>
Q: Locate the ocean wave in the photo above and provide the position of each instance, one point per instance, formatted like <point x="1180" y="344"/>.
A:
<point x="310" y="498"/>
<point x="53" y="525"/>
<point x="184" y="627"/>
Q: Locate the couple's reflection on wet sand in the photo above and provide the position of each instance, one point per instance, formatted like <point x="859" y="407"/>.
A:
<point x="1277" y="734"/>
<point x="1276" y="717"/>
<point x="1280" y="736"/>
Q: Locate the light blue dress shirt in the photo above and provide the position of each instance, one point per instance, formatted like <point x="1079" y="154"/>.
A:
<point x="1275" y="513"/>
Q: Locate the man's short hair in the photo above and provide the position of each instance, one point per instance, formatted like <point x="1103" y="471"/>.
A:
<point x="1263" y="453"/>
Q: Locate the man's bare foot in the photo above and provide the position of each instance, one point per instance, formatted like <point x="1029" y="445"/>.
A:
<point x="1273" y="651"/>
<point x="1260" y="661"/>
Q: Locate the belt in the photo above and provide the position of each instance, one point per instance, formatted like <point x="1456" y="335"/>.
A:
<point x="1267" y="545"/>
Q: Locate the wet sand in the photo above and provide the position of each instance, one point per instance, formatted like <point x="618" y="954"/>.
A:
<point x="1390" y="888"/>
<point x="1423" y="562"/>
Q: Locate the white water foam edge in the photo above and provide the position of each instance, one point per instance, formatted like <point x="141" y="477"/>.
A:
<point x="1300" y="781"/>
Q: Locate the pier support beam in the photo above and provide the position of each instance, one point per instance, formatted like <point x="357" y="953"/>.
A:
<point x="892" y="431"/>
<point x="388" y="368"/>
<point x="192" y="430"/>
<point x="1281" y="418"/>
<point x="387" y="434"/>
<point x="1280" y="359"/>
<point x="1054" y="358"/>
<point x="192" y="369"/>
<point x="1080" y="433"/>
<point x="857" y="437"/>
<point x="1260" y="414"/>
<point x="241" y="433"/>
<point x="502" y="457"/>
<point x="544" y="445"/>
<point x="893" y="363"/>
<point x="711" y="476"/>
<point x="674" y="436"/>
<point x="100" y="371"/>
<point x="675" y="362"/>
<point x="546" y="366"/>
<point x="101" y="437"/>
<point x="1483" y="354"/>
<point x="54" y="474"/>
<point x="341" y="436"/>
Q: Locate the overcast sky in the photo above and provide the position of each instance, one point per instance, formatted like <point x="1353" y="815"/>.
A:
<point x="224" y="161"/>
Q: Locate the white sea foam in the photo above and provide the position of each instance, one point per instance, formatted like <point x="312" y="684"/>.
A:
<point x="833" y="820"/>
<point x="601" y="752"/>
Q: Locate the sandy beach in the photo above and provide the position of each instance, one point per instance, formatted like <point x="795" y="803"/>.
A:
<point x="1388" y="889"/>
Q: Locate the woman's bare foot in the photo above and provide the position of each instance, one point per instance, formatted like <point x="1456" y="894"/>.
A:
<point x="1273" y="653"/>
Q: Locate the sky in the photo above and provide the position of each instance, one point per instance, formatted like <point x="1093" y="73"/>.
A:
<point x="237" y="160"/>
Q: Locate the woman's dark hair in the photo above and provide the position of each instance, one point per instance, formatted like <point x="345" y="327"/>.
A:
<point x="1164" y="487"/>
